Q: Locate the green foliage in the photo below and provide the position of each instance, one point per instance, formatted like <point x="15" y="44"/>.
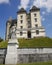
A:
<point x="3" y="44"/>
<point x="1" y="39"/>
<point x="38" y="63"/>
<point x="35" y="42"/>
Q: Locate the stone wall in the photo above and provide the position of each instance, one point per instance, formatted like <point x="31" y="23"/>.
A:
<point x="28" y="58"/>
<point x="26" y="55"/>
<point x="34" y="55"/>
<point x="2" y="55"/>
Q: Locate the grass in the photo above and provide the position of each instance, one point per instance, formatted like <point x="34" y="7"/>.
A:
<point x="35" y="42"/>
<point x="3" y="44"/>
<point x="42" y="42"/>
<point x="36" y="63"/>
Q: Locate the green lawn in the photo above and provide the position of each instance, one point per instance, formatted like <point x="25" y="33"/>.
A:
<point x="39" y="63"/>
<point x="35" y="42"/>
<point x="3" y="44"/>
<point x="31" y="43"/>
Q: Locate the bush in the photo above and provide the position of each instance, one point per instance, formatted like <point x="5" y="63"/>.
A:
<point x="1" y="39"/>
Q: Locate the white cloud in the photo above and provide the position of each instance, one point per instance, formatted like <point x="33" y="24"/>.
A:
<point x="24" y="4"/>
<point x="4" y="1"/>
<point x="44" y="3"/>
<point x="39" y="3"/>
<point x="49" y="5"/>
<point x="43" y="12"/>
<point x="42" y="18"/>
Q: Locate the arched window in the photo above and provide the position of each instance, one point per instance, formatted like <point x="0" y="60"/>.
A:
<point x="37" y="31"/>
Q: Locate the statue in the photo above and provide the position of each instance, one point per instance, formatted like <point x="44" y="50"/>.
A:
<point x="13" y="33"/>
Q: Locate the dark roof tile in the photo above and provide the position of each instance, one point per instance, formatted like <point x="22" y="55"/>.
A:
<point x="34" y="8"/>
<point x="13" y="22"/>
<point x="22" y="10"/>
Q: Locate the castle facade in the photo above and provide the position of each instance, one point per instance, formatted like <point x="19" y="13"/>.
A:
<point x="27" y="25"/>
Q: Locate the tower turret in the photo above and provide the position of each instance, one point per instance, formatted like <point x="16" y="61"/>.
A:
<point x="21" y="23"/>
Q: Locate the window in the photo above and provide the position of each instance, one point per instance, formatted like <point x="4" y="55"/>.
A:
<point x="37" y="31"/>
<point x="21" y="21"/>
<point x="29" y="26"/>
<point x="35" y="19"/>
<point x="21" y="27"/>
<point x="35" y="14"/>
<point x="21" y="16"/>
<point x="36" y="25"/>
<point x="21" y="33"/>
<point x="28" y="22"/>
<point x="1" y="54"/>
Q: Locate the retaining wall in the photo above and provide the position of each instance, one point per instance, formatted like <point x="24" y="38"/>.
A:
<point x="34" y="55"/>
<point x="2" y="55"/>
<point x="26" y="55"/>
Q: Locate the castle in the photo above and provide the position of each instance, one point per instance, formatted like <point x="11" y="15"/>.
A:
<point x="27" y="25"/>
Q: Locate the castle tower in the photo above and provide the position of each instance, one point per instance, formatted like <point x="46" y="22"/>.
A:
<point x="21" y="23"/>
<point x="29" y="24"/>
<point x="8" y="24"/>
<point x="37" y="30"/>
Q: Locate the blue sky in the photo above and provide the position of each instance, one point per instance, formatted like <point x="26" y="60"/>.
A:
<point x="8" y="8"/>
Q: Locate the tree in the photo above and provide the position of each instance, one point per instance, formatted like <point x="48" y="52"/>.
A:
<point x="1" y="39"/>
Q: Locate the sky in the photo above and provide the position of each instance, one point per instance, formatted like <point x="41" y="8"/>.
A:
<point x="8" y="8"/>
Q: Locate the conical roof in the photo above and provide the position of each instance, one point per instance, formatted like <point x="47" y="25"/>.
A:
<point x="22" y="10"/>
<point x="34" y="8"/>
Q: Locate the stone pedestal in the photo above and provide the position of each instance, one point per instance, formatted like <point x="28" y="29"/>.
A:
<point x="11" y="56"/>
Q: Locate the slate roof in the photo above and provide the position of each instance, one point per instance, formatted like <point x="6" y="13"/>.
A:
<point x="14" y="22"/>
<point x="22" y="10"/>
<point x="34" y="8"/>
